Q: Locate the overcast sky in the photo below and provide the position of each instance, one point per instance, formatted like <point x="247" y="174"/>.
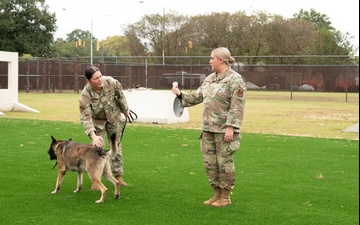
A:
<point x="108" y="17"/>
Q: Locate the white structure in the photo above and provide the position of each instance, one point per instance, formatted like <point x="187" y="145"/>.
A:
<point x="354" y="128"/>
<point x="9" y="96"/>
<point x="154" y="106"/>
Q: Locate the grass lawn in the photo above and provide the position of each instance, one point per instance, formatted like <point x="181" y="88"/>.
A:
<point x="295" y="166"/>
<point x="280" y="179"/>
<point x="310" y="114"/>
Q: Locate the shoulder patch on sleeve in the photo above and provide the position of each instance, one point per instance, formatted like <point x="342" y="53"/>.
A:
<point x="242" y="88"/>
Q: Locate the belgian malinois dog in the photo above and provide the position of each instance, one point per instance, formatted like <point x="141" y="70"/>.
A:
<point x="73" y="156"/>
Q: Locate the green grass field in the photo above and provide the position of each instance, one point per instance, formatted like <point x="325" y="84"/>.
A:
<point x="280" y="179"/>
<point x="295" y="166"/>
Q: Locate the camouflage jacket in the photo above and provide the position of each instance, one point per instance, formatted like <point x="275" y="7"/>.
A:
<point x="97" y="109"/>
<point x="223" y="100"/>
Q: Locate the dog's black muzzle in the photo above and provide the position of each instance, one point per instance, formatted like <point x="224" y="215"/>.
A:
<point x="52" y="155"/>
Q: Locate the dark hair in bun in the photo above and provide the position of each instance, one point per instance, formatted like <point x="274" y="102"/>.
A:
<point x="90" y="71"/>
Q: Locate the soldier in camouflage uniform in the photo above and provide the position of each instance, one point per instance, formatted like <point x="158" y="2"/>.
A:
<point x="223" y="96"/>
<point x="101" y="104"/>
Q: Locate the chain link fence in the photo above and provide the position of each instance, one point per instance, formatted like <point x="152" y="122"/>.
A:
<point x="277" y="73"/>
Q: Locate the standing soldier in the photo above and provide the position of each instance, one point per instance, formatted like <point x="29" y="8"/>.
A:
<point x="101" y="103"/>
<point x="223" y="96"/>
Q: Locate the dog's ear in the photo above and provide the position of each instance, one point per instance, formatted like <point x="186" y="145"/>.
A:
<point x="53" y="139"/>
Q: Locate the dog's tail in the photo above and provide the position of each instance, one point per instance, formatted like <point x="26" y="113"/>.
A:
<point x="113" y="146"/>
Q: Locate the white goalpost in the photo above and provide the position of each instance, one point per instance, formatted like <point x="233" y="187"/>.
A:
<point x="9" y="95"/>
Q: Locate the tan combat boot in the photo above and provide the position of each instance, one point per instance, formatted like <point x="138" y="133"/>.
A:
<point x="217" y="196"/>
<point x="224" y="200"/>
<point x="121" y="181"/>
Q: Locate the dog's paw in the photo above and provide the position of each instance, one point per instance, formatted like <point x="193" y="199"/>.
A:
<point x="54" y="192"/>
<point x="117" y="196"/>
<point x="99" y="201"/>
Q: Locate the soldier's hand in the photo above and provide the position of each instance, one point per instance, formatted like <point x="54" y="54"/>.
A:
<point x="229" y="134"/>
<point x="97" y="141"/>
<point x="176" y="90"/>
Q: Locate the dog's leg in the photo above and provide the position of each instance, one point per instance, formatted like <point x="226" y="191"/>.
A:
<point x="59" y="180"/>
<point x="102" y="188"/>
<point x="108" y="175"/>
<point x="79" y="181"/>
<point x="95" y="177"/>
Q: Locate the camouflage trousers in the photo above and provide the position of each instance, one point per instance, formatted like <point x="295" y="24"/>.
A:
<point x="117" y="162"/>
<point x="218" y="159"/>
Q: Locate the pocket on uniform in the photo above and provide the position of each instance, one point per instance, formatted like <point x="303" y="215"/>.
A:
<point x="229" y="168"/>
<point x="234" y="146"/>
<point x="231" y="147"/>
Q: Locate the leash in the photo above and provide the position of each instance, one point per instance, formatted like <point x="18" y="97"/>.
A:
<point x="55" y="164"/>
<point x="131" y="118"/>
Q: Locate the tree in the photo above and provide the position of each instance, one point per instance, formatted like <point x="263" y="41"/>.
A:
<point x="155" y="33"/>
<point x="328" y="40"/>
<point x="316" y="18"/>
<point x="149" y="32"/>
<point x="77" y="43"/>
<point x="288" y="37"/>
<point x="255" y="40"/>
<point x="26" y="27"/>
<point x="257" y="34"/>
<point x="218" y="29"/>
<point x="325" y="40"/>
<point x="211" y="31"/>
<point x="135" y="46"/>
<point x="115" y="46"/>
<point x="63" y="49"/>
<point x="78" y="33"/>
